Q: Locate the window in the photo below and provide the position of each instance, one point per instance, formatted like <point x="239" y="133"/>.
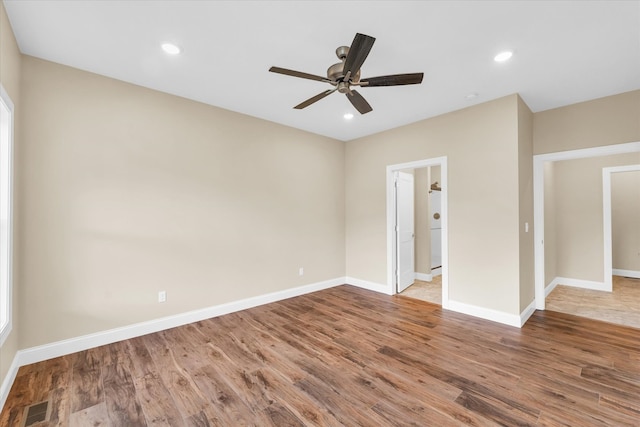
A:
<point x="6" y="163"/>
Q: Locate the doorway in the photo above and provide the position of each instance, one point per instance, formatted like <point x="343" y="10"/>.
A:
<point x="394" y="255"/>
<point x="615" y="298"/>
<point x="539" y="219"/>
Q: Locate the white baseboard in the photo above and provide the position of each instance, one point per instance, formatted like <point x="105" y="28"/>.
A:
<point x="85" y="342"/>
<point x="8" y="381"/>
<point x="550" y="287"/>
<point x="372" y="286"/>
<point x="527" y="312"/>
<point x="72" y="345"/>
<point x="424" y="277"/>
<point x="486" y="313"/>
<point x="483" y="313"/>
<point x="626" y="273"/>
<point x="436" y="271"/>
<point x="580" y="283"/>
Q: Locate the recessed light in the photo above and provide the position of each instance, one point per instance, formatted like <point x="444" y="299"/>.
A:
<point x="170" y="48"/>
<point x="503" y="56"/>
<point x="471" y="96"/>
<point x="348" y="116"/>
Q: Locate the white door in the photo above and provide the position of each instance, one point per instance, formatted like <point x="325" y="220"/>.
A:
<point x="405" y="233"/>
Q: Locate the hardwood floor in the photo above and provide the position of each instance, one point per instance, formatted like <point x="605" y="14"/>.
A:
<point x="622" y="306"/>
<point x="426" y="291"/>
<point x="346" y="356"/>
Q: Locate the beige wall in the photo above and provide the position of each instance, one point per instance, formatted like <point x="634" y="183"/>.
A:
<point x="579" y="217"/>
<point x="605" y="121"/>
<point x="625" y="220"/>
<point x="525" y="192"/>
<point x="128" y="191"/>
<point x="481" y="144"/>
<point x="10" y="79"/>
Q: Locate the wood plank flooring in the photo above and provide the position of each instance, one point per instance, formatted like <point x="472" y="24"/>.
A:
<point x="346" y="357"/>
<point x="622" y="306"/>
<point x="426" y="291"/>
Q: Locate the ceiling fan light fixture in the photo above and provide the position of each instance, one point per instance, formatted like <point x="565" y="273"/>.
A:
<point x="503" y="56"/>
<point x="170" y="48"/>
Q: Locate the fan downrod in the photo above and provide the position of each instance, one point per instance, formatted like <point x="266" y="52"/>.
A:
<point x="342" y="52"/>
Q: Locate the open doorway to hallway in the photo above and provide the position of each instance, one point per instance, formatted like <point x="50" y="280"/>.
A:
<point x="587" y="244"/>
<point x="619" y="301"/>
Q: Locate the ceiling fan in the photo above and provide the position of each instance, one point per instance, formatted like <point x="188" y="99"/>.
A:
<point x="346" y="74"/>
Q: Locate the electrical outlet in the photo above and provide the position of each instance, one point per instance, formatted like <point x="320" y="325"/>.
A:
<point x="301" y="271"/>
<point x="162" y="296"/>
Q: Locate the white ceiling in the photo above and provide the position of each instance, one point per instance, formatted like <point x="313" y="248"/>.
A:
<point x="565" y="52"/>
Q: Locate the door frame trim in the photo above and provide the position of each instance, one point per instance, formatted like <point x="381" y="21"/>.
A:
<point x="391" y="211"/>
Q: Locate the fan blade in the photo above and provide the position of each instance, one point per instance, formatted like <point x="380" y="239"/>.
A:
<point x="316" y="98"/>
<point x="358" y="52"/>
<point x="359" y="102"/>
<point x="394" y="80"/>
<point x="298" y="74"/>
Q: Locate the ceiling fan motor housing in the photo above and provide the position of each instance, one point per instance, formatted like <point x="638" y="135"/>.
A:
<point x="335" y="73"/>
